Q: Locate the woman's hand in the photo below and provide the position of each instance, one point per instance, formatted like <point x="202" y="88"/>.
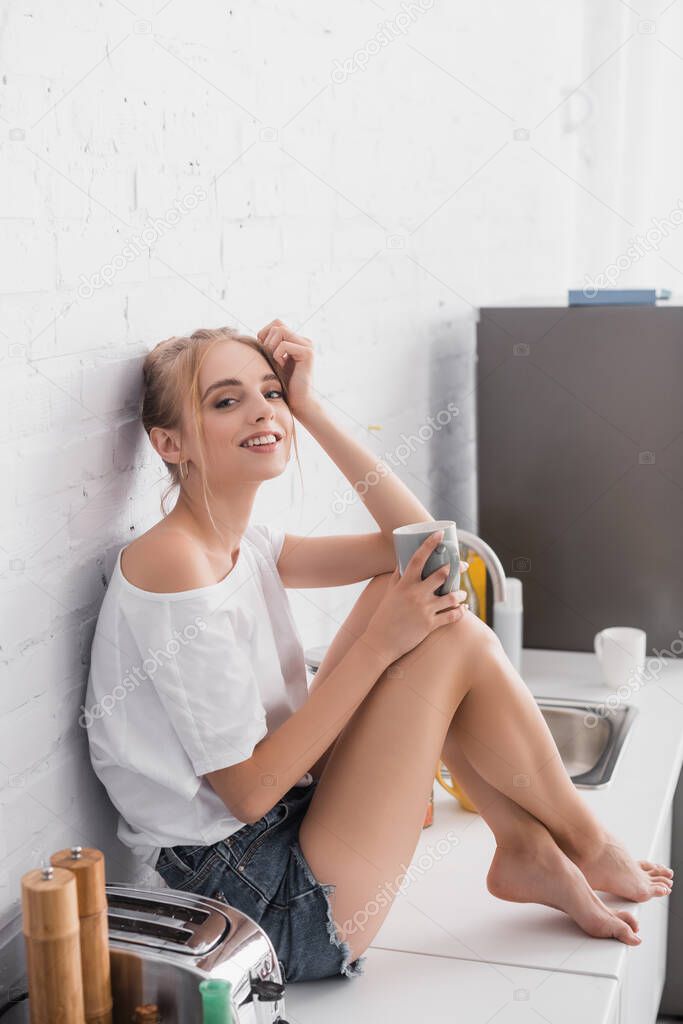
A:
<point x="294" y="353"/>
<point x="409" y="609"/>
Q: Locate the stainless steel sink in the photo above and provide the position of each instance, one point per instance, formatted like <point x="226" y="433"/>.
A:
<point x="590" y="737"/>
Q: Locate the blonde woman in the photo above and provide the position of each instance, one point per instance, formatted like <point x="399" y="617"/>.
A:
<point x="296" y="807"/>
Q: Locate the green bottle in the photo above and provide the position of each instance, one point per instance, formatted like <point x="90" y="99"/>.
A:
<point x="216" y="1001"/>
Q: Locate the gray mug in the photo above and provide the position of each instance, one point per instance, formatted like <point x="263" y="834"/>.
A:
<point x="407" y="540"/>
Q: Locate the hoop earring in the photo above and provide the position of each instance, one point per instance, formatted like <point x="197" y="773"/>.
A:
<point x="183" y="475"/>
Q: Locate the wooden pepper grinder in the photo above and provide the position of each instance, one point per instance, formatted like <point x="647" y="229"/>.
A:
<point x="87" y="865"/>
<point x="51" y="931"/>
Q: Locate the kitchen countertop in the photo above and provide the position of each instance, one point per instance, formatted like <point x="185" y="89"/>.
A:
<point x="445" y="922"/>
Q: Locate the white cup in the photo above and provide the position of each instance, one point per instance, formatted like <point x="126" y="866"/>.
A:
<point x="621" y="652"/>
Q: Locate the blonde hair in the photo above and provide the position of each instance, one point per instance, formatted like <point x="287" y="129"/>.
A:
<point x="169" y="371"/>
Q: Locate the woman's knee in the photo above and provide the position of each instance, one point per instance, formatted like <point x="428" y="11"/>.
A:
<point x="476" y="639"/>
<point x="467" y="635"/>
<point x="476" y="630"/>
<point x="466" y="638"/>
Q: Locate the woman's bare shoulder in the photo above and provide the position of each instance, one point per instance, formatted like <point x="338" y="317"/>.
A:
<point x="166" y="560"/>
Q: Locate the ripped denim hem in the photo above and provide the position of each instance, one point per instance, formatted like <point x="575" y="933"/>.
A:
<point x="350" y="970"/>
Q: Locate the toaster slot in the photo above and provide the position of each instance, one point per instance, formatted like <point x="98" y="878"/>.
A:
<point x="165" y="922"/>
<point x="165" y="909"/>
<point x="148" y="929"/>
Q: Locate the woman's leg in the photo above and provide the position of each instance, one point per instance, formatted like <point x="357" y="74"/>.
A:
<point x="510" y="823"/>
<point x="546" y="791"/>
<point x="525" y="850"/>
<point x="366" y="815"/>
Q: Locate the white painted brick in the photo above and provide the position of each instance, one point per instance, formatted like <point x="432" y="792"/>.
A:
<point x="24" y="402"/>
<point x="103" y="511"/>
<point x="170" y="305"/>
<point x="132" y="448"/>
<point x="157" y="191"/>
<point x="112" y="386"/>
<point x="28" y="256"/>
<point x="93" y="255"/>
<point x="55" y="658"/>
<point x="66" y="192"/>
<point x="88" y="324"/>
<point x="189" y="249"/>
<point x="37" y="45"/>
<point x="266" y="188"/>
<point x="43" y="468"/>
<point x="261" y="236"/>
<point x="29" y="608"/>
<point x="231" y="187"/>
<point x="28" y="826"/>
<point x="46" y="524"/>
<point x="72" y="792"/>
<point x="28" y="325"/>
<point x="20" y="195"/>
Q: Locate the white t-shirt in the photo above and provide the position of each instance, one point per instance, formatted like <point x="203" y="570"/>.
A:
<point x="185" y="683"/>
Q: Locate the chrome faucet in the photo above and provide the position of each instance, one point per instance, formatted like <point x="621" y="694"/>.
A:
<point x="490" y="560"/>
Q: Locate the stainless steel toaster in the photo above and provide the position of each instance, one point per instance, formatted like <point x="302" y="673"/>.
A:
<point x="163" y="942"/>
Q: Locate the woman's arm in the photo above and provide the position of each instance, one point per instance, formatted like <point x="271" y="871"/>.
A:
<point x="388" y="500"/>
<point x="252" y="787"/>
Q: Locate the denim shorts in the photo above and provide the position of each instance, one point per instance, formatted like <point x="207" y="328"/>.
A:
<point x="261" y="871"/>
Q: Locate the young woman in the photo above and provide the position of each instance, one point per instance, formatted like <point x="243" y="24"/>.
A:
<point x="296" y="807"/>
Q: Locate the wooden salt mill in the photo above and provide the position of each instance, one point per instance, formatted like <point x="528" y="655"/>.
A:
<point x="87" y="865"/>
<point x="51" y="932"/>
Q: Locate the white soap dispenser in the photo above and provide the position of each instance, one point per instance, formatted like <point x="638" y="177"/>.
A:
<point x="508" y="620"/>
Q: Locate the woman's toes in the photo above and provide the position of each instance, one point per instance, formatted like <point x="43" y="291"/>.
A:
<point x="623" y="929"/>
<point x="628" y="917"/>
<point x="658" y="873"/>
<point x="658" y="869"/>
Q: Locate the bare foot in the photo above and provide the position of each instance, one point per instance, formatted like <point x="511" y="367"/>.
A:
<point x="610" y="868"/>
<point x="544" y="874"/>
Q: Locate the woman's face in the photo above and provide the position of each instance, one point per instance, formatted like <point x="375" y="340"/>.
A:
<point x="253" y="405"/>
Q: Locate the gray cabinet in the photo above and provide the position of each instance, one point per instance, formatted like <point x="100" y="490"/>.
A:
<point x="580" y="467"/>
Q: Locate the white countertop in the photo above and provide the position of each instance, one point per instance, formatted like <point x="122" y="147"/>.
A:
<point x="445" y="917"/>
<point x="401" y="988"/>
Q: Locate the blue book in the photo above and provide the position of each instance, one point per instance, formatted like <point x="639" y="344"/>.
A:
<point x="616" y="296"/>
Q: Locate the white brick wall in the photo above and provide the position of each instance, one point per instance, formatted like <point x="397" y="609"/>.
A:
<point x="107" y="118"/>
